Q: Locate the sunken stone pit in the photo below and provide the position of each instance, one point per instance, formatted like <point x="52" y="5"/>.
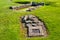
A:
<point x="35" y="27"/>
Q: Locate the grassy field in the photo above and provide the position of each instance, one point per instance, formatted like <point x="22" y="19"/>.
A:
<point x="10" y="27"/>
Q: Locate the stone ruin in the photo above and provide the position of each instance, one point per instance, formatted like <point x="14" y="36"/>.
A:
<point x="20" y="7"/>
<point x="35" y="27"/>
<point x="34" y="4"/>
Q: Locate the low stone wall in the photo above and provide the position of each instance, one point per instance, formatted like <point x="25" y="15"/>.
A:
<point x="20" y="7"/>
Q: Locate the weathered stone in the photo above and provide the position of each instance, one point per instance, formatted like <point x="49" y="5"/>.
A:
<point x="36" y="27"/>
<point x="34" y="4"/>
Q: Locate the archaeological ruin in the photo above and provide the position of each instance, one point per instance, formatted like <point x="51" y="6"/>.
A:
<point x="35" y="27"/>
<point x="32" y="4"/>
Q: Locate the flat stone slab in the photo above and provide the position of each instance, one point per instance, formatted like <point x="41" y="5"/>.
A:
<point x="35" y="27"/>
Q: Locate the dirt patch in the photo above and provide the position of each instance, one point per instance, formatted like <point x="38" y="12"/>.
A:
<point x="23" y="30"/>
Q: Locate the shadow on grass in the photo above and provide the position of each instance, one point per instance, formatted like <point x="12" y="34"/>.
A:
<point x="25" y="2"/>
<point x="53" y="4"/>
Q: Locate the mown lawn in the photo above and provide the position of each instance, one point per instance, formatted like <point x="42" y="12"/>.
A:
<point x="10" y="27"/>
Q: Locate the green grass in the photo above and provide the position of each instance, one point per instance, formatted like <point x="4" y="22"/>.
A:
<point x="10" y="20"/>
